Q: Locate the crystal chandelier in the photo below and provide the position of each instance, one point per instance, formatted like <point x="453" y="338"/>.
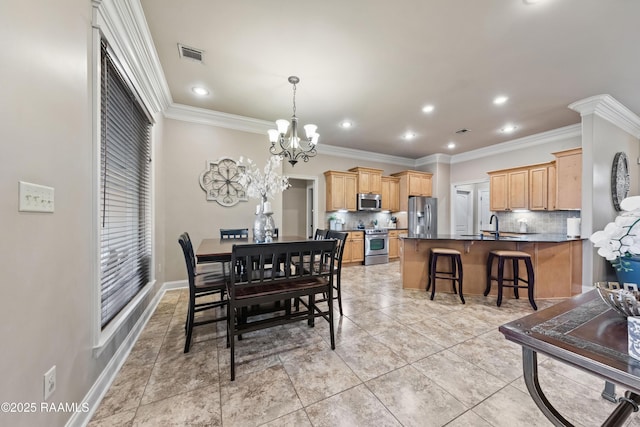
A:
<point x="292" y="146"/>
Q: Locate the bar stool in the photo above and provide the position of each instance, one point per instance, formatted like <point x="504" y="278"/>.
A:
<point x="454" y="275"/>
<point x="515" y="257"/>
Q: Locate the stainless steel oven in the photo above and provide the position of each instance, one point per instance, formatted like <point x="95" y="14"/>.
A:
<point x="376" y="246"/>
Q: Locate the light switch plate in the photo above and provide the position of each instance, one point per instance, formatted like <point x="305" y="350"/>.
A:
<point x="35" y="198"/>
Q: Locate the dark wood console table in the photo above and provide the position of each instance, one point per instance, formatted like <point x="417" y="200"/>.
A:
<point x="582" y="332"/>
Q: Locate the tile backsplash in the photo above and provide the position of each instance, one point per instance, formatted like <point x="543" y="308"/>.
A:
<point x="537" y="222"/>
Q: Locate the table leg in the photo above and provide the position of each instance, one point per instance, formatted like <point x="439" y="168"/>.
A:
<point x="609" y="392"/>
<point x="628" y="404"/>
<point x="530" y="368"/>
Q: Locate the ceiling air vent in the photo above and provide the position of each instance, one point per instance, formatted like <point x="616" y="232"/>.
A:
<point x="190" y="52"/>
<point x="463" y="130"/>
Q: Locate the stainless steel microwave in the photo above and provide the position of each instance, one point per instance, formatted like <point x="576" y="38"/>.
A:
<point x="369" y="202"/>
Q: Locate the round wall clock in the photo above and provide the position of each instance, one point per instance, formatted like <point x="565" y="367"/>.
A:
<point x="620" y="181"/>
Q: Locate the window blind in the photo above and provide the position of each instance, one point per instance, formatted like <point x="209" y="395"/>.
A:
<point x="125" y="214"/>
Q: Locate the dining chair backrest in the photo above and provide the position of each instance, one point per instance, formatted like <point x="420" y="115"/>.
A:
<point x="189" y="257"/>
<point x="320" y="234"/>
<point x="341" y="238"/>
<point x="234" y="233"/>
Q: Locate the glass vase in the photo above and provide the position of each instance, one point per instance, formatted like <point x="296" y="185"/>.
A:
<point x="263" y="225"/>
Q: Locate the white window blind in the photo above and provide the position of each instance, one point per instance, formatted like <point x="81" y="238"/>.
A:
<point x="125" y="214"/>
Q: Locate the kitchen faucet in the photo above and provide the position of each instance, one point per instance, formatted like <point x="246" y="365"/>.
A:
<point x="497" y="232"/>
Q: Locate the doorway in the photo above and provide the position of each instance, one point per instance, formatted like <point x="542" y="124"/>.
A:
<point x="470" y="208"/>
<point x="299" y="201"/>
<point x="463" y="211"/>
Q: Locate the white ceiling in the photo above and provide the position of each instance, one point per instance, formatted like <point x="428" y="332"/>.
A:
<point x="377" y="63"/>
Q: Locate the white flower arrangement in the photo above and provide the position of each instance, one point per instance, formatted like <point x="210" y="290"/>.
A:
<point x="265" y="183"/>
<point x="620" y="240"/>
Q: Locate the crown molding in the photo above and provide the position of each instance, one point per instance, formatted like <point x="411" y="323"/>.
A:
<point x="124" y="25"/>
<point x="520" y="143"/>
<point x="246" y="124"/>
<point x="351" y="153"/>
<point x="438" y="158"/>
<point x="607" y="107"/>
<point x="204" y="116"/>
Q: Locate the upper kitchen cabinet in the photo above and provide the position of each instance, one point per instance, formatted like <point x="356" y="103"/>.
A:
<point x="413" y="183"/>
<point x="341" y="190"/>
<point x="542" y="187"/>
<point x="569" y="179"/>
<point x="509" y="189"/>
<point x="369" y="180"/>
<point x="390" y="193"/>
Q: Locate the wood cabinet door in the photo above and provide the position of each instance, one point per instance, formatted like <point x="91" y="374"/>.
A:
<point x="415" y="184"/>
<point x="346" y="255"/>
<point x="337" y="192"/>
<point x="364" y="182"/>
<point x="357" y="247"/>
<point x="385" y="185"/>
<point x="538" y="187"/>
<point x="569" y="179"/>
<point x="518" y="189"/>
<point x="393" y="244"/>
<point x="350" y="188"/>
<point x="498" y="192"/>
<point x="551" y="189"/>
<point x="394" y="195"/>
<point x="425" y="186"/>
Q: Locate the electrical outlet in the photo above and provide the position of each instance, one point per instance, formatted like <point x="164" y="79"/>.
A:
<point x="35" y="198"/>
<point x="49" y="382"/>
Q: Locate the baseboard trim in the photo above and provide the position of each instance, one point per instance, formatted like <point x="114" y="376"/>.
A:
<point x="105" y="379"/>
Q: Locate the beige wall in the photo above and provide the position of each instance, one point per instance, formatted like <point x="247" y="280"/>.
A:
<point x="187" y="147"/>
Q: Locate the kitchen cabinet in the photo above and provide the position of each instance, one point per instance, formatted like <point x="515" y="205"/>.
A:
<point x="542" y="187"/>
<point x="390" y="193"/>
<point x="569" y="179"/>
<point x="369" y="180"/>
<point x="394" y="243"/>
<point x="341" y="190"/>
<point x="509" y="189"/>
<point x="354" y="247"/>
<point x="413" y="183"/>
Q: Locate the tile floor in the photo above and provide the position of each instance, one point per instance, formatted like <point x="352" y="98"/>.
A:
<point x="400" y="360"/>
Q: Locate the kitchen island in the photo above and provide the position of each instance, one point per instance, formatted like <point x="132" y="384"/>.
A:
<point x="557" y="262"/>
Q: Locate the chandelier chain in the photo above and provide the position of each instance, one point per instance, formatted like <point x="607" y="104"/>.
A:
<point x="294" y="99"/>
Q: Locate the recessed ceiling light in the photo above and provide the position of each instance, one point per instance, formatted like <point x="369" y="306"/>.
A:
<point x="200" y="91"/>
<point x="498" y="100"/>
<point x="346" y="124"/>
<point x="428" y="109"/>
<point x="409" y="135"/>
<point x="451" y="145"/>
<point x="508" y="129"/>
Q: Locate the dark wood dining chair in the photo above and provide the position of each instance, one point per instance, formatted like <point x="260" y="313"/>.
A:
<point x="234" y="233"/>
<point x="320" y="234"/>
<point x="341" y="238"/>
<point x="259" y="287"/>
<point x="201" y="286"/>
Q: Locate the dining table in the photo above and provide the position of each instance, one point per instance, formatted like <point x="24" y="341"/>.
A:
<point x="583" y="332"/>
<point x="219" y="250"/>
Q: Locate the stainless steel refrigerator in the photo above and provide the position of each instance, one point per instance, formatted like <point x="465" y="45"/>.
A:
<point x="423" y="216"/>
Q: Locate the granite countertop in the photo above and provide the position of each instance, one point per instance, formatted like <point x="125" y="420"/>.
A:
<point x="532" y="237"/>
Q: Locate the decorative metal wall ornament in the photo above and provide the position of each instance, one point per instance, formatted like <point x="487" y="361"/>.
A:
<point x="220" y="182"/>
<point x="620" y="180"/>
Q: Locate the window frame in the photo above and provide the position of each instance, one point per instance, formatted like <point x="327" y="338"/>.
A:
<point x="103" y="337"/>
